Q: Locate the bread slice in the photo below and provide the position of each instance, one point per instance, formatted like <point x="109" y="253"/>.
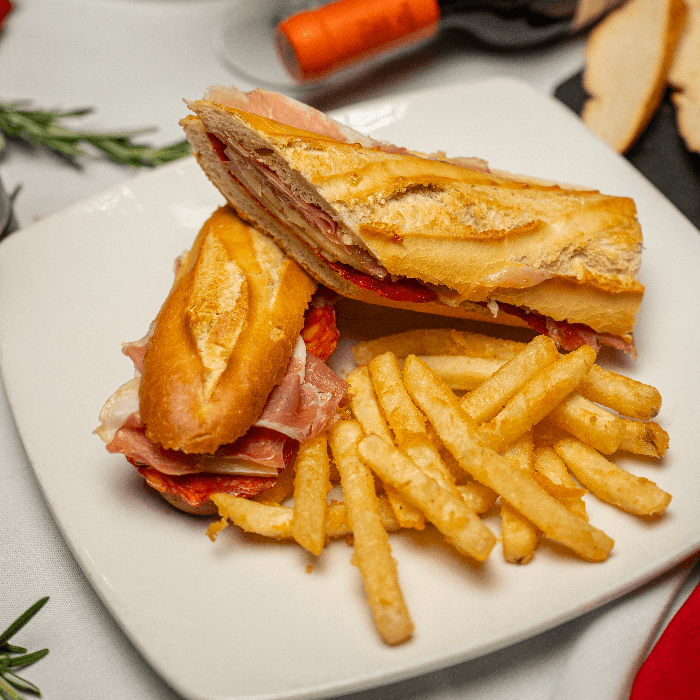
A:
<point x="467" y="239"/>
<point x="684" y="78"/>
<point x="628" y="56"/>
<point x="223" y="338"/>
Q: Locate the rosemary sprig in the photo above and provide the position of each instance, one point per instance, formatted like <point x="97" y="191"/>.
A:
<point x="10" y="682"/>
<point x="38" y="127"/>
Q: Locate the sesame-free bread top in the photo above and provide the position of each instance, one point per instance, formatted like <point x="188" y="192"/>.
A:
<point x="223" y="338"/>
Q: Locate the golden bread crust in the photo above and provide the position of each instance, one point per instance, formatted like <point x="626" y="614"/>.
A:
<point x="223" y="337"/>
<point x="568" y="253"/>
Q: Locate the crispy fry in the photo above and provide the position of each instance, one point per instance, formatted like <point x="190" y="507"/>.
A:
<point x="537" y="398"/>
<point x="553" y="476"/>
<point x="404" y="419"/>
<point x="338" y="521"/>
<point x="408" y="424"/>
<point x="648" y="439"/>
<point x="458" y="433"/>
<point x="519" y="536"/>
<point x="487" y="400"/>
<point x="427" y="458"/>
<point x="530" y="417"/>
<point x="477" y="496"/>
<point x="437" y="341"/>
<point x="609" y="482"/>
<point x="622" y="394"/>
<point x="463" y="373"/>
<point x="368" y="412"/>
<point x="461" y="526"/>
<point x="270" y="520"/>
<point x="589" y="422"/>
<point x="372" y="551"/>
<point x="264" y="519"/>
<point x="364" y="403"/>
<point x="311" y="487"/>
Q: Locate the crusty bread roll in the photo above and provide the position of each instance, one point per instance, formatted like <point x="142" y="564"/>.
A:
<point x="467" y="237"/>
<point x="207" y="508"/>
<point x="222" y="339"/>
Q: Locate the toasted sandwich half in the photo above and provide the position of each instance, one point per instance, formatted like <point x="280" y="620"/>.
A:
<point x="389" y="226"/>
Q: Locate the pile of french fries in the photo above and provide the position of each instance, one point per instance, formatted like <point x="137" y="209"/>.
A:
<point x="445" y="426"/>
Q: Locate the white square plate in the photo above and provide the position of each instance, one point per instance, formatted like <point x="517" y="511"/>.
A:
<point x="242" y="618"/>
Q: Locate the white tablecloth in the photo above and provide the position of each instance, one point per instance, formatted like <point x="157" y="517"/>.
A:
<point x="133" y="61"/>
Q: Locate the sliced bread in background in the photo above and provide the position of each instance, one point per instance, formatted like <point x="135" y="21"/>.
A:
<point x="628" y="57"/>
<point x="684" y="78"/>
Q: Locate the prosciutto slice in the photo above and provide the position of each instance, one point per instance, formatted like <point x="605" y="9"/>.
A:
<point x="287" y="110"/>
<point x="304" y="403"/>
<point x="299" y="408"/>
<point x="259" y="452"/>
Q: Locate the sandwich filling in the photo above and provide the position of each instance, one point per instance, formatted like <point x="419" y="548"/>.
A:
<point x="302" y="405"/>
<point x="322" y="235"/>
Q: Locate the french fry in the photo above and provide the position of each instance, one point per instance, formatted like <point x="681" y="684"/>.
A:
<point x="553" y="475"/>
<point x="427" y="458"/>
<point x="589" y="422"/>
<point x="518" y="535"/>
<point x="311" y="487"/>
<point x="489" y="398"/>
<point x="437" y="341"/>
<point x="270" y="520"/>
<point x="626" y="396"/>
<point x="404" y="419"/>
<point x="476" y="496"/>
<point x="368" y="413"/>
<point x="372" y="551"/>
<point x="537" y="398"/>
<point x="463" y="373"/>
<point x="338" y="522"/>
<point x="363" y="402"/>
<point x="407" y="423"/>
<point x="609" y="482"/>
<point x="531" y="417"/>
<point x="648" y="439"/>
<point x="457" y="430"/>
<point x="461" y="526"/>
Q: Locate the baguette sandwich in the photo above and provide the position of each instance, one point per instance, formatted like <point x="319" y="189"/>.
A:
<point x="384" y="225"/>
<point x="231" y="375"/>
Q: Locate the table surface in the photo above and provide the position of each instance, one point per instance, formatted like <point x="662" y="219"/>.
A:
<point x="133" y="61"/>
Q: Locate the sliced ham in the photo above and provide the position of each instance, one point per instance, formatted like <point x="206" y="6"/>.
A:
<point x="569" y="336"/>
<point x="304" y="403"/>
<point x="287" y="110"/>
<point x="300" y="407"/>
<point x="259" y="452"/>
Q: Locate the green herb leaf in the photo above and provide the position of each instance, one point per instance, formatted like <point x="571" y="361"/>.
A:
<point x="28" y="658"/>
<point x="7" y="692"/>
<point x="10" y="682"/>
<point x="42" y="128"/>
<point x="22" y="683"/>
<point x="22" y="620"/>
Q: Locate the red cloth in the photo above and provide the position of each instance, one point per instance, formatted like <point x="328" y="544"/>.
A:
<point x="5" y="7"/>
<point x="672" y="669"/>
